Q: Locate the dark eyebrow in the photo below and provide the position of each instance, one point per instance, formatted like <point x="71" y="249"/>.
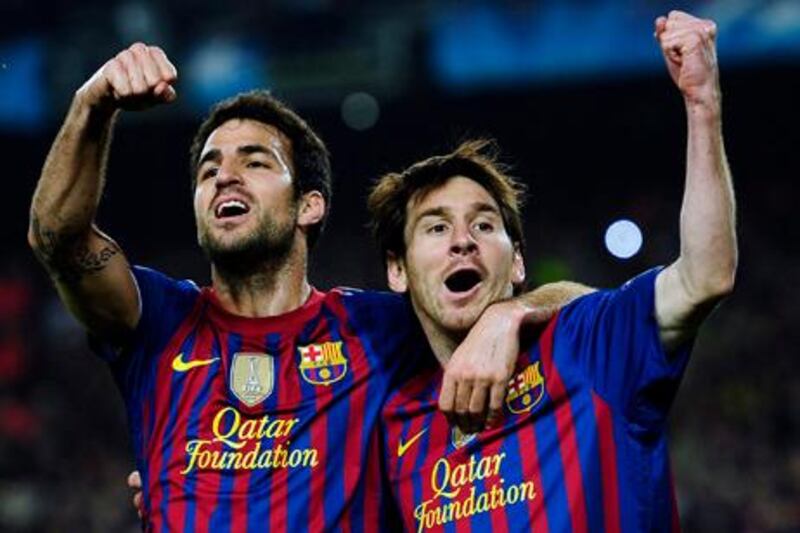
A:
<point x="212" y="155"/>
<point x="432" y="212"/>
<point x="249" y="149"/>
<point x="482" y="207"/>
<point x="215" y="154"/>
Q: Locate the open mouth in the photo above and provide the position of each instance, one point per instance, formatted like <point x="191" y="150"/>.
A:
<point x="231" y="208"/>
<point x="463" y="280"/>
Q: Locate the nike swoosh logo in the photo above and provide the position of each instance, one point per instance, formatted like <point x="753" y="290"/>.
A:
<point x="179" y="365"/>
<point x="402" y="447"/>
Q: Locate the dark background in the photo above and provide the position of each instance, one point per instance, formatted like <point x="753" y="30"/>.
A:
<point x="593" y="126"/>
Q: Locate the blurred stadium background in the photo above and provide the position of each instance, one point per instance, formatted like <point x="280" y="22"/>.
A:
<point x="577" y="97"/>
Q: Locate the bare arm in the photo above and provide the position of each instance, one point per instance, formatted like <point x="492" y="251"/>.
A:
<point x="88" y="268"/>
<point x="688" y="289"/>
<point x="481" y="366"/>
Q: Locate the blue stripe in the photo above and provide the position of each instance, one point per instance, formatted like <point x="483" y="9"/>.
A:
<point x="588" y="438"/>
<point x="299" y="479"/>
<point x="193" y="432"/>
<point x="424" y="452"/>
<point x="630" y="477"/>
<point x="220" y="521"/>
<point x="518" y="516"/>
<point x="552" y="471"/>
<point x="259" y="486"/>
<point x="337" y="435"/>
<point x="661" y="487"/>
<point x="480" y="521"/>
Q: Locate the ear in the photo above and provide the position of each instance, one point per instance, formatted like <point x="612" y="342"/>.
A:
<point x="396" y="273"/>
<point x="518" y="267"/>
<point x="311" y="209"/>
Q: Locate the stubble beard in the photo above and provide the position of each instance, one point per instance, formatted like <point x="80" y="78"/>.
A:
<point x="263" y="250"/>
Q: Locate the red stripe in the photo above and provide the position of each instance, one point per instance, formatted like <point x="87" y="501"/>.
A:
<point x="356" y="463"/>
<point x="405" y="477"/>
<point x="373" y="497"/>
<point x="529" y="459"/>
<point x="161" y="435"/>
<point x="208" y="482"/>
<point x="608" y="465"/>
<point x="567" y="437"/>
<point x="193" y="384"/>
<point x="491" y="445"/>
<point x="288" y="380"/>
<point x="319" y="440"/>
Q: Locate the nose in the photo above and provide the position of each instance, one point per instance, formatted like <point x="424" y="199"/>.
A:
<point x="227" y="175"/>
<point x="462" y="242"/>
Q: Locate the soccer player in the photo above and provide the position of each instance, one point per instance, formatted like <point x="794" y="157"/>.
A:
<point x="253" y="404"/>
<point x="582" y="446"/>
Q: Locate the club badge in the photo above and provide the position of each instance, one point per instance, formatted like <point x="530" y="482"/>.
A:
<point x="526" y="390"/>
<point x="322" y="364"/>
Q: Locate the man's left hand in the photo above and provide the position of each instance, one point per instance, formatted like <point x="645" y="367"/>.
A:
<point x="482" y="365"/>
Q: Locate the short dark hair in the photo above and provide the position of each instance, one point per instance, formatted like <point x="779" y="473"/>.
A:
<point x="476" y="160"/>
<point x="310" y="158"/>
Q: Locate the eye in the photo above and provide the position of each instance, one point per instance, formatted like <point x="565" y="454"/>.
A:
<point x="209" y="172"/>
<point x="484" y="226"/>
<point x="257" y="164"/>
<point x="437" y="229"/>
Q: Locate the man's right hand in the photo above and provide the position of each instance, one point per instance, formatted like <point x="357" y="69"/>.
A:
<point x="137" y="78"/>
<point x="135" y="484"/>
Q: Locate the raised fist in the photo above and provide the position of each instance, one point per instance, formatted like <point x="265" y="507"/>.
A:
<point x="137" y="78"/>
<point x="689" y="47"/>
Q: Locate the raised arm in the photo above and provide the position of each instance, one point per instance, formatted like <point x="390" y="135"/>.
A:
<point x="476" y="377"/>
<point x="88" y="268"/>
<point x="703" y="274"/>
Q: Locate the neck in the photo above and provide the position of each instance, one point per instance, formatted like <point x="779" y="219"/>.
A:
<point x="442" y="342"/>
<point x="271" y="287"/>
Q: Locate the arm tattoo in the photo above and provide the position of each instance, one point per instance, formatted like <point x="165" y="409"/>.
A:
<point x="67" y="255"/>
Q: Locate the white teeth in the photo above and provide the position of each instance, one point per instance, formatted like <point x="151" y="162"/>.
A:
<point x="228" y="204"/>
<point x="233" y="203"/>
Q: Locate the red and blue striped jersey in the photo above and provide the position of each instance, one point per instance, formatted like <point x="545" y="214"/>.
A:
<point x="581" y="447"/>
<point x="260" y="424"/>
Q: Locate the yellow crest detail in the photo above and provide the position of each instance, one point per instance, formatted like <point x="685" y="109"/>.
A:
<point x="322" y="364"/>
<point x="252" y="377"/>
<point x="458" y="438"/>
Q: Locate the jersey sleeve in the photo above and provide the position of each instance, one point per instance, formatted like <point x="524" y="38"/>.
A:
<point x="386" y="322"/>
<point x="164" y="303"/>
<point x="613" y="337"/>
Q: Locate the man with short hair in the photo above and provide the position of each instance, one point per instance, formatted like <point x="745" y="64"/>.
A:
<point x="253" y="403"/>
<point x="582" y="445"/>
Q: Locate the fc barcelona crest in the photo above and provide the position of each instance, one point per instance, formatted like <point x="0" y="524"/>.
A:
<point x="526" y="390"/>
<point x="252" y="377"/>
<point x="322" y="364"/>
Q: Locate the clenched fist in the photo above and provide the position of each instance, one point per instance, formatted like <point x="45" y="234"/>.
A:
<point x="689" y="47"/>
<point x="137" y="78"/>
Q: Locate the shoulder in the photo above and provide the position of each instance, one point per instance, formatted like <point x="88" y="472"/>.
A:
<point x="637" y="292"/>
<point x="158" y="280"/>
<point x="159" y="294"/>
<point x="365" y="302"/>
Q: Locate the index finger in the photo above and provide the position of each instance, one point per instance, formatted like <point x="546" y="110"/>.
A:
<point x="167" y="70"/>
<point x="447" y="395"/>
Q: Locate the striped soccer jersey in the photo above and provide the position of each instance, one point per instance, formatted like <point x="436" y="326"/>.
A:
<point x="259" y="424"/>
<point x="582" y="444"/>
